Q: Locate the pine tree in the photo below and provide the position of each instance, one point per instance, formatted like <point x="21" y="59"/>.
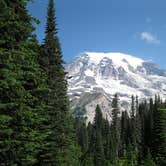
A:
<point x="133" y="122"/>
<point x="156" y="129"/>
<point x="98" y="144"/>
<point x="124" y="132"/>
<point x="138" y="131"/>
<point x="87" y="158"/>
<point x="162" y="148"/>
<point x="148" y="126"/>
<point x="148" y="161"/>
<point x="106" y="141"/>
<point x="131" y="156"/>
<point x="151" y="109"/>
<point x="82" y="136"/>
<point x="115" y="127"/>
<point x="132" y="113"/>
<point x="143" y="111"/>
<point x="59" y="141"/>
<point x="21" y="83"/>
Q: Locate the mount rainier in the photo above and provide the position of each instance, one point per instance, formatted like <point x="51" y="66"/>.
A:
<point x="96" y="77"/>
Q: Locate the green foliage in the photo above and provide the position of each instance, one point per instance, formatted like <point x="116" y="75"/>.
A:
<point x="161" y="149"/>
<point x="98" y="144"/>
<point x="36" y="127"/>
<point x="59" y="144"/>
<point x="103" y="143"/>
<point x="115" y="128"/>
<point x="21" y="83"/>
<point x="149" y="160"/>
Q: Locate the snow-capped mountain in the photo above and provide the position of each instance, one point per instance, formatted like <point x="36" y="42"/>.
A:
<point x="96" y="77"/>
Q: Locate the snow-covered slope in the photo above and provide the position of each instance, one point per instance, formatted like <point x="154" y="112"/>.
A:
<point x="96" y="77"/>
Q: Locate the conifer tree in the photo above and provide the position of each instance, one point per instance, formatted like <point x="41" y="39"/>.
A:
<point x="106" y="141"/>
<point x="148" y="126"/>
<point x="21" y="83"/>
<point x="133" y="122"/>
<point x="124" y="132"/>
<point x="88" y="157"/>
<point x="156" y="128"/>
<point x="131" y="156"/>
<point x="132" y="113"/>
<point x="82" y="136"/>
<point x="148" y="161"/>
<point x="59" y="141"/>
<point x="138" y="131"/>
<point x="159" y="137"/>
<point x="151" y="109"/>
<point x="115" y="126"/>
<point x="98" y="144"/>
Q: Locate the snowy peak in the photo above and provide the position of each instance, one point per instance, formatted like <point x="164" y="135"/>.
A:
<point x="109" y="73"/>
<point x="119" y="59"/>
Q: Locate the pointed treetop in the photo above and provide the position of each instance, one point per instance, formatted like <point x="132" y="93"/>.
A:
<point x="51" y="30"/>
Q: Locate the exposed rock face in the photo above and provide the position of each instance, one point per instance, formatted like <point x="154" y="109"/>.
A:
<point x="96" y="77"/>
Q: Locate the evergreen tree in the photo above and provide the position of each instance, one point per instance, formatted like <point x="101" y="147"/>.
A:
<point x="115" y="127"/>
<point x="106" y="141"/>
<point x="133" y="122"/>
<point x="98" y="144"/>
<point x="148" y="126"/>
<point x="148" y="161"/>
<point x="138" y="132"/>
<point x="151" y="109"/>
<point x="132" y="113"/>
<point x="124" y="132"/>
<point x="129" y="158"/>
<point x="162" y="148"/>
<point x="82" y="135"/>
<point x="156" y="128"/>
<point x="21" y="83"/>
<point x="143" y="113"/>
<point x="88" y="157"/>
<point x="61" y="137"/>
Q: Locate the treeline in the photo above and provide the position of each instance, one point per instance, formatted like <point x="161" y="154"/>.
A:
<point x="136" y="138"/>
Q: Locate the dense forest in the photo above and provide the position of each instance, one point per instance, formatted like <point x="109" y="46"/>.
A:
<point x="134" y="138"/>
<point x="37" y="127"/>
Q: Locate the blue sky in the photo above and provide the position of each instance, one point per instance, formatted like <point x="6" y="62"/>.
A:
<point x="136" y="27"/>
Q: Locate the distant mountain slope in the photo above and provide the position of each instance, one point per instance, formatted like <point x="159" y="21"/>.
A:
<point x="96" y="77"/>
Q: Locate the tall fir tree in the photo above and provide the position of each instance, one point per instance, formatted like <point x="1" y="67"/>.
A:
<point x="156" y="128"/>
<point x="159" y="136"/>
<point x="99" y="158"/>
<point x="133" y="122"/>
<point x="133" y="108"/>
<point x="115" y="127"/>
<point x="21" y="83"/>
<point x="138" y="131"/>
<point x="124" y="132"/>
<point x="106" y="141"/>
<point x="82" y="135"/>
<point x="60" y="140"/>
<point x="88" y="159"/>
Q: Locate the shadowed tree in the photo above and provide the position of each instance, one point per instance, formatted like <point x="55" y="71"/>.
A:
<point x="21" y="83"/>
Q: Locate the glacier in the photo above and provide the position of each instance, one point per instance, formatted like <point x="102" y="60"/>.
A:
<point x="96" y="77"/>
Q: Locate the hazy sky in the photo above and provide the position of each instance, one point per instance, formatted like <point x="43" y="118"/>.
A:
<point x="136" y="27"/>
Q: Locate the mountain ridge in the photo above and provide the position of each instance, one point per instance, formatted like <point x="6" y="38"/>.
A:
<point x="109" y="73"/>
